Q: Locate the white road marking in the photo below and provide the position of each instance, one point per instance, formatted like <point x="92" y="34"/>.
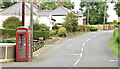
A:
<point x="81" y="55"/>
<point x="82" y="49"/>
<point x="74" y="54"/>
<point x="113" y="60"/>
<point x="83" y="44"/>
<point x="87" y="40"/>
<point x="76" y="62"/>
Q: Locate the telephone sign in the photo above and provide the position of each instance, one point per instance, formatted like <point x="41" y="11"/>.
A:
<point x="23" y="44"/>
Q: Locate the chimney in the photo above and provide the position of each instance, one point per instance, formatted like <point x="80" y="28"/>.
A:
<point x="35" y="3"/>
<point x="61" y="3"/>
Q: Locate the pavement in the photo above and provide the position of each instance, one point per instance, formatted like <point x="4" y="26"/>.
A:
<point x="91" y="49"/>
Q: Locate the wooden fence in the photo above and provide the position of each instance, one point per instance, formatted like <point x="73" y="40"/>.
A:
<point x="107" y="26"/>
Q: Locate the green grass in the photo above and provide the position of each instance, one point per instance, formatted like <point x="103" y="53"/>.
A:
<point x="115" y="46"/>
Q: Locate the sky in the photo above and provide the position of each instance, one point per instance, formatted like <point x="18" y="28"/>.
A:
<point x="110" y="11"/>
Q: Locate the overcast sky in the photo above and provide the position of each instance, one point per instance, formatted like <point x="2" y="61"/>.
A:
<point x="110" y="11"/>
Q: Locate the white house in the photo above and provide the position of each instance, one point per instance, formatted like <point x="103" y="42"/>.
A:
<point x="48" y="17"/>
<point x="16" y="10"/>
<point x="61" y="12"/>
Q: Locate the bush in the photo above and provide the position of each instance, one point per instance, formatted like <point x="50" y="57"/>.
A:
<point x="10" y="32"/>
<point x="40" y="27"/>
<point x="55" y="27"/>
<point x="36" y="34"/>
<point x="62" y="32"/>
<point x="71" y="22"/>
<point x="82" y="28"/>
<point x="8" y="40"/>
<point x="93" y="28"/>
<point x="12" y="23"/>
<point x="44" y="34"/>
<point x="114" y="43"/>
<point x="58" y="24"/>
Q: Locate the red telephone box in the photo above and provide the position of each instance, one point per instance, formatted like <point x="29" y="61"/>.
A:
<point x="23" y="44"/>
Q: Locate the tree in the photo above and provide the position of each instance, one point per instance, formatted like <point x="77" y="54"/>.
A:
<point x="1" y="3"/>
<point x="12" y="23"/>
<point x="96" y="11"/>
<point x="54" y="5"/>
<point x="117" y="8"/>
<point x="48" y="5"/>
<point x="8" y="4"/>
<point x="71" y="23"/>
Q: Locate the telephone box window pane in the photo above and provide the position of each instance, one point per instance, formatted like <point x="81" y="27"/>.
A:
<point x="21" y="46"/>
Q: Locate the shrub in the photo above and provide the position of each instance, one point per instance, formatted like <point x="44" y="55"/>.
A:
<point x="52" y="32"/>
<point x="114" y="43"/>
<point x="58" y="24"/>
<point x="9" y="40"/>
<point x="44" y="34"/>
<point x="93" y="28"/>
<point x="12" y="23"/>
<point x="40" y="27"/>
<point x="62" y="32"/>
<point x="82" y="28"/>
<point x="36" y="34"/>
<point x="55" y="27"/>
<point x="71" y="22"/>
<point x="10" y="32"/>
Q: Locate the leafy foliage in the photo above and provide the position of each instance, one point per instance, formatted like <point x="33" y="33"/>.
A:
<point x="55" y="27"/>
<point x="93" y="28"/>
<point x="82" y="28"/>
<point x="71" y="23"/>
<point x="62" y="32"/>
<point x="115" y="22"/>
<point x="36" y="34"/>
<point x="40" y="27"/>
<point x="114" y="43"/>
<point x="12" y="23"/>
<point x="1" y="3"/>
<point x="54" y="5"/>
<point x="96" y="10"/>
<point x="117" y="8"/>
<point x="8" y="4"/>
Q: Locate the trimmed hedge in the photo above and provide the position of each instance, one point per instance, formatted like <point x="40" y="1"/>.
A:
<point x="44" y="34"/>
<point x="11" y="32"/>
<point x="114" y="43"/>
<point x="36" y="34"/>
<point x="93" y="28"/>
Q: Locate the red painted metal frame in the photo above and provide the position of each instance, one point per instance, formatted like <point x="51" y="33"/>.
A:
<point x="27" y="44"/>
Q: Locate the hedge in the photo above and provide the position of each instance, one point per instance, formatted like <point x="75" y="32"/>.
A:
<point x="36" y="34"/>
<point x="11" y="32"/>
<point x="44" y="34"/>
<point x="115" y="46"/>
<point x="93" y="28"/>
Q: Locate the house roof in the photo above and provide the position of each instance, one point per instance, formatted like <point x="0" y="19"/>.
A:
<point x="17" y="9"/>
<point x="44" y="12"/>
<point x="79" y="14"/>
<point x="61" y="11"/>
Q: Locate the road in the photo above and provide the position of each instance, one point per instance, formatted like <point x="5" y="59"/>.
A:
<point x="91" y="49"/>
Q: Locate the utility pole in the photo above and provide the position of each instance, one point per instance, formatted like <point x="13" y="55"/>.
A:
<point x="104" y="17"/>
<point x="31" y="19"/>
<point x="23" y="12"/>
<point x="31" y="15"/>
<point x="88" y="17"/>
